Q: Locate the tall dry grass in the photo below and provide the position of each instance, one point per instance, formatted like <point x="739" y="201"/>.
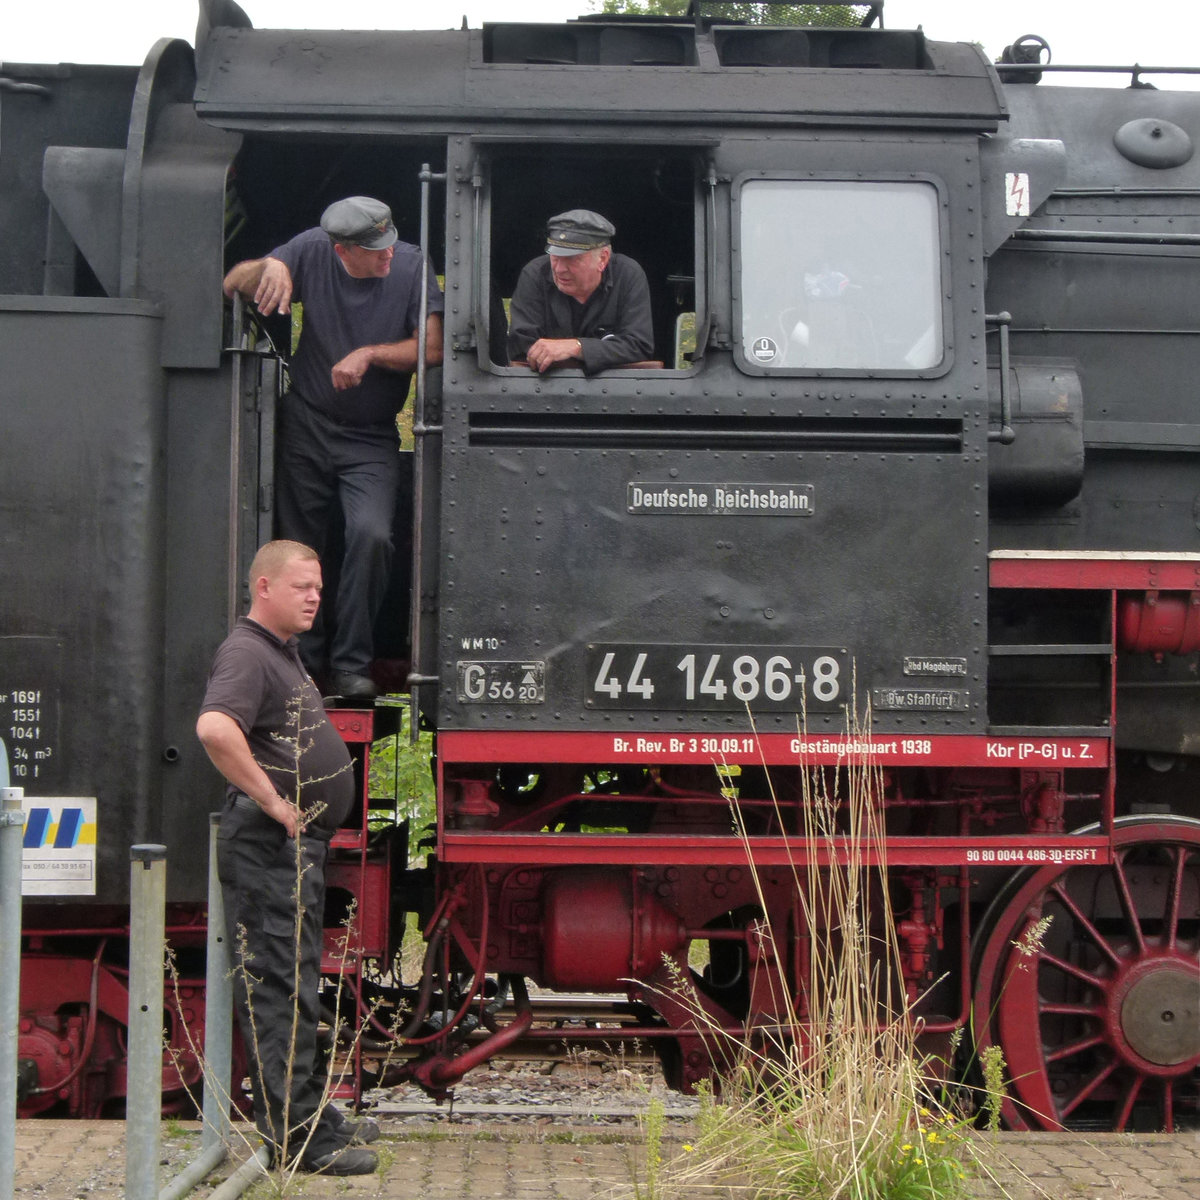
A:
<point x="832" y="1100"/>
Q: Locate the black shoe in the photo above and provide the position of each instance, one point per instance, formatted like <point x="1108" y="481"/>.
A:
<point x="360" y="1132"/>
<point x="349" y="1160"/>
<point x="349" y="685"/>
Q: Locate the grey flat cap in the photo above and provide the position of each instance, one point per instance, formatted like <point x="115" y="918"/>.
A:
<point x="360" y="221"/>
<point x="577" y="232"/>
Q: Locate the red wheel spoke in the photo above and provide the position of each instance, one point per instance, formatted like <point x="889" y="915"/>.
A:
<point x="1085" y="925"/>
<point x="1073" y="1048"/>
<point x="1067" y="968"/>
<point x="1066" y="1009"/>
<point x="1131" y="915"/>
<point x="1171" y="915"/>
<point x="1087" y="1089"/>
<point x="1122" y="1117"/>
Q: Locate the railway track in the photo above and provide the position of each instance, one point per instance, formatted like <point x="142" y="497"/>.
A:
<point x="585" y="1058"/>
<point x="570" y="1091"/>
<point x="564" y="1026"/>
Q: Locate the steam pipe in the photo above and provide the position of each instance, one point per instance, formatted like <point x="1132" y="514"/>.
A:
<point x="443" y="1074"/>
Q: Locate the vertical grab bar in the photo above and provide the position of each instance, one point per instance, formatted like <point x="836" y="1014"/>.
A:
<point x="417" y="672"/>
<point x="1006" y="434"/>
<point x="704" y="294"/>
<point x="238" y="341"/>
<point x="479" y="318"/>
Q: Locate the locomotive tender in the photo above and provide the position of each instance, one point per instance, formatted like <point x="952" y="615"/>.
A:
<point x="923" y="442"/>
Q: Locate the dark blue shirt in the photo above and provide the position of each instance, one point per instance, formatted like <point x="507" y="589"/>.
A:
<point x="341" y="314"/>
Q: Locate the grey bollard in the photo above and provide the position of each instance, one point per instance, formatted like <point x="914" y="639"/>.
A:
<point x="147" y="939"/>
<point x="12" y="825"/>
<point x="218" y="1038"/>
<point x="218" y="1006"/>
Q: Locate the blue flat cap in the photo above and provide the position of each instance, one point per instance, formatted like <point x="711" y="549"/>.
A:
<point x="360" y="221"/>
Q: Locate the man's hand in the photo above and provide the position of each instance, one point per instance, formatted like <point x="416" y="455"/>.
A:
<point x="266" y="281"/>
<point x="274" y="291"/>
<point x="285" y="812"/>
<point x="349" y="372"/>
<point x="545" y="352"/>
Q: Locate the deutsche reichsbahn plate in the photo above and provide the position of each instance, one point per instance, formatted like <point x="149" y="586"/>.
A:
<point x="780" y="678"/>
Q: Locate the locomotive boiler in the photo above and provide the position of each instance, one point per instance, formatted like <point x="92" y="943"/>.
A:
<point x="919" y="441"/>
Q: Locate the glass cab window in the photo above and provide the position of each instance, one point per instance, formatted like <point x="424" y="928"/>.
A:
<point x="838" y="275"/>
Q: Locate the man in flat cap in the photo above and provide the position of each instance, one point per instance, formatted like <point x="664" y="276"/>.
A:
<point x="337" y="439"/>
<point x="580" y="303"/>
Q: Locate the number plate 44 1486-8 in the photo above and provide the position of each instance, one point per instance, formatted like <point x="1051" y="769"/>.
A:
<point x="786" y="678"/>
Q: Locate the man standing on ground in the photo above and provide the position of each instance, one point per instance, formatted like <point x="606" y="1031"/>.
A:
<point x="580" y="304"/>
<point x="350" y="376"/>
<point x="290" y="785"/>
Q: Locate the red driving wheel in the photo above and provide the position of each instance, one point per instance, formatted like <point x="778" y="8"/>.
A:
<point x="1099" y="1016"/>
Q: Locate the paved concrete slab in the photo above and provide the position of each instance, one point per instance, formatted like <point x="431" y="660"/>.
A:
<point x="75" y="1160"/>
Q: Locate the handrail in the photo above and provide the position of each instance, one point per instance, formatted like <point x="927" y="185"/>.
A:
<point x="704" y="315"/>
<point x="1134" y="69"/>
<point x="232" y="573"/>
<point x="1005" y="435"/>
<point x="417" y="675"/>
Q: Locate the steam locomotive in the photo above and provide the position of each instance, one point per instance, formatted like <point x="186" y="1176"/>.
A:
<point x="920" y="440"/>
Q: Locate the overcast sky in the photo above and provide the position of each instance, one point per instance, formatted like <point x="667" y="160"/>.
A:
<point x="122" y="31"/>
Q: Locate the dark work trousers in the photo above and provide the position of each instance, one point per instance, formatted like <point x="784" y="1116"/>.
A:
<point x="318" y="461"/>
<point x="266" y="891"/>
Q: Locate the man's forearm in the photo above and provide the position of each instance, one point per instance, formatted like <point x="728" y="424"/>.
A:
<point x="244" y="277"/>
<point x="230" y="753"/>
<point x="226" y="746"/>
<point x="616" y="350"/>
<point x="402" y="356"/>
<point x="391" y="356"/>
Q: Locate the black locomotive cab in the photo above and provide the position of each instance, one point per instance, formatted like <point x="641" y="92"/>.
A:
<point x="819" y="397"/>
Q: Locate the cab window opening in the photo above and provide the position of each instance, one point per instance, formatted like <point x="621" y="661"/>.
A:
<point x="650" y="196"/>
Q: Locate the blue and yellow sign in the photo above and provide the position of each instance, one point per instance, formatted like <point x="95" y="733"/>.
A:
<point x="59" y="855"/>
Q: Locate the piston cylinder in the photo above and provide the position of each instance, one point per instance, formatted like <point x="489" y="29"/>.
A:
<point x="1159" y="622"/>
<point x="600" y="928"/>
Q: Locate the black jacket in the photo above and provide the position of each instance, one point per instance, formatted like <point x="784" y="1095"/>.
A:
<point x="614" y="326"/>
